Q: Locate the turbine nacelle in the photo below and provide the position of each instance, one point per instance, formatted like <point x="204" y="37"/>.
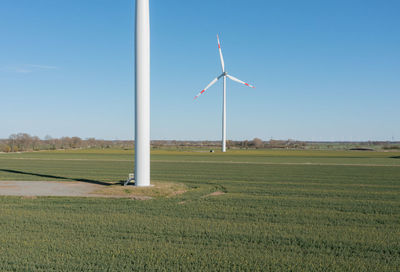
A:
<point x="222" y="75"/>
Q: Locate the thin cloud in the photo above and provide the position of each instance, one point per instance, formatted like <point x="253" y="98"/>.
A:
<point x="44" y="67"/>
<point x="28" y="68"/>
<point x="21" y="71"/>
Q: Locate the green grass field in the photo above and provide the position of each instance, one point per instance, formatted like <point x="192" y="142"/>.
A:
<point x="281" y="211"/>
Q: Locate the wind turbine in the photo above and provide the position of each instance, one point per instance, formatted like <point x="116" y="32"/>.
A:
<point x="224" y="75"/>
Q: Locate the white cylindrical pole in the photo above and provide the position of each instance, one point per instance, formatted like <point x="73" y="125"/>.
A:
<point x="142" y="94"/>
<point x="224" y="118"/>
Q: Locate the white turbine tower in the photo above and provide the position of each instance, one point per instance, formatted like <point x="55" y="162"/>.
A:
<point x="142" y="94"/>
<point x="224" y="75"/>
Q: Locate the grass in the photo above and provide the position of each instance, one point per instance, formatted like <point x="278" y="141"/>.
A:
<point x="280" y="211"/>
<point x="157" y="189"/>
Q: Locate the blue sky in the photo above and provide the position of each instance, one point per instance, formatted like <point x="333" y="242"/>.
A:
<point x="323" y="70"/>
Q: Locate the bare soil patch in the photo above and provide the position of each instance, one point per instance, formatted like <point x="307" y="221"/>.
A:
<point x="217" y="193"/>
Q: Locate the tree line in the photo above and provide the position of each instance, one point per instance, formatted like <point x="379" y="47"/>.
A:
<point x="22" y="142"/>
<point x="256" y="143"/>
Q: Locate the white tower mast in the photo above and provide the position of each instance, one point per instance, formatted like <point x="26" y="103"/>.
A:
<point x="224" y="117"/>
<point x="223" y="98"/>
<point x="142" y="94"/>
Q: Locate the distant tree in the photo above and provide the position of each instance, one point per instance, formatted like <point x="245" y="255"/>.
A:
<point x="75" y="142"/>
<point x="20" y="142"/>
<point x="35" y="143"/>
<point x="50" y="142"/>
<point x="6" y="148"/>
<point x="65" y="142"/>
<point x="91" y="142"/>
<point x="257" y="143"/>
<point x="12" y="141"/>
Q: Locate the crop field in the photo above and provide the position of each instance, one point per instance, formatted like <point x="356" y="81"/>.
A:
<point x="274" y="210"/>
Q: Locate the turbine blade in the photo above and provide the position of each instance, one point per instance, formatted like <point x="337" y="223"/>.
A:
<point x="238" y="80"/>
<point x="208" y="86"/>
<point x="220" y="55"/>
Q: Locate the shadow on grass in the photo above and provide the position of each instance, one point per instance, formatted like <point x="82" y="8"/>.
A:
<point x="395" y="157"/>
<point x="57" y="177"/>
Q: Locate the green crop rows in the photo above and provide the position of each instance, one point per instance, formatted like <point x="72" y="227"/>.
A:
<point x="281" y="211"/>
